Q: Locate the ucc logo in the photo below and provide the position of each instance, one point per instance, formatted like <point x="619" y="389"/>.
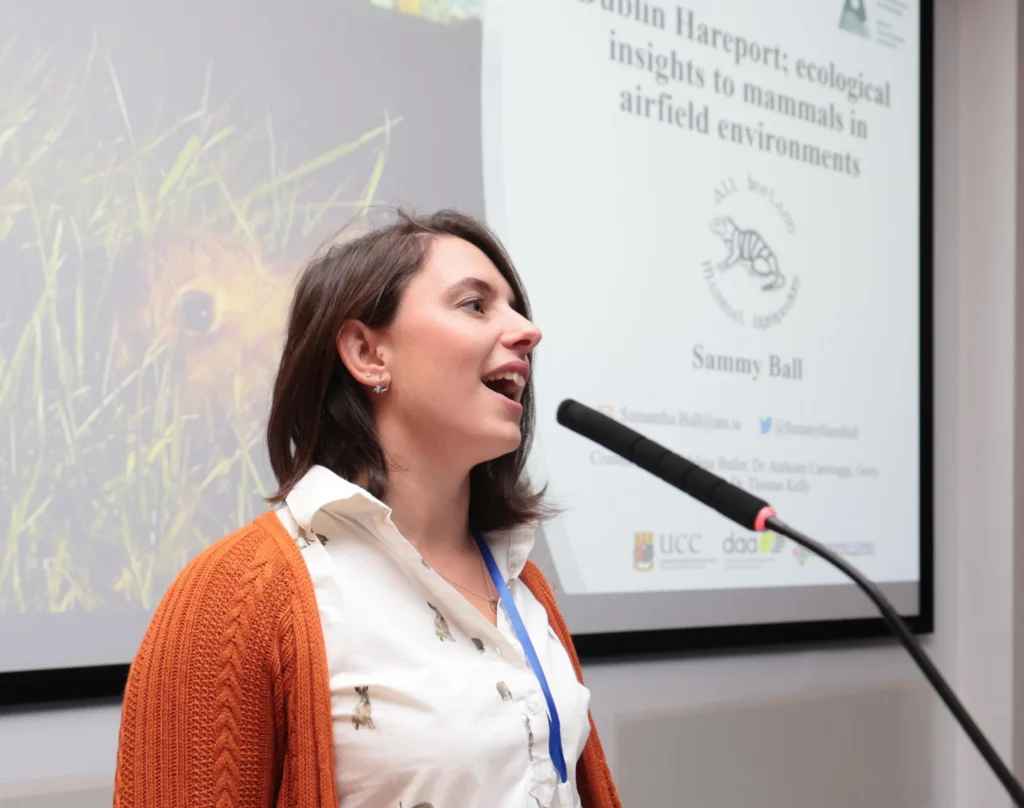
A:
<point x="679" y="543"/>
<point x="647" y="544"/>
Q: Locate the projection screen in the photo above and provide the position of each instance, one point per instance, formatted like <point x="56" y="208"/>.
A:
<point x="721" y="211"/>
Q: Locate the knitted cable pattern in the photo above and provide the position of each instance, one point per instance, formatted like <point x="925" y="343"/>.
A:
<point x="228" y="698"/>
<point x="287" y="662"/>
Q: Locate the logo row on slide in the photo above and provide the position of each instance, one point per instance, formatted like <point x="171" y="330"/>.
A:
<point x="695" y="551"/>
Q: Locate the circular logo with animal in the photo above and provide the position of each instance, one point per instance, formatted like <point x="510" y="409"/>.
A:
<point x="748" y="247"/>
<point x="750" y="238"/>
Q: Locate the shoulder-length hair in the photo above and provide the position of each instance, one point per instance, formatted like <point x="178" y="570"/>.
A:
<point x="320" y="415"/>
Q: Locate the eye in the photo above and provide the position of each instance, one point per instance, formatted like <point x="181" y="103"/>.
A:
<point x="196" y="310"/>
<point x="477" y="302"/>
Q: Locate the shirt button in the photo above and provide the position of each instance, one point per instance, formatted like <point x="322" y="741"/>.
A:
<point x="533" y="707"/>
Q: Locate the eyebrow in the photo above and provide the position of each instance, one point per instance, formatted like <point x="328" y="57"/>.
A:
<point x="483" y="287"/>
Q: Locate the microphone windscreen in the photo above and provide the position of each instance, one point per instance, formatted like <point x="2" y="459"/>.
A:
<point x="729" y="500"/>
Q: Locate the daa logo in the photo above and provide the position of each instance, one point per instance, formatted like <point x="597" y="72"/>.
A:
<point x="765" y="544"/>
<point x="643" y="551"/>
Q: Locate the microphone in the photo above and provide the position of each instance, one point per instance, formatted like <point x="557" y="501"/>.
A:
<point x="732" y="502"/>
<point x="753" y="513"/>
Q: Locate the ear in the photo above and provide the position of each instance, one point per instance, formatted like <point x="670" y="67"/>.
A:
<point x="360" y="349"/>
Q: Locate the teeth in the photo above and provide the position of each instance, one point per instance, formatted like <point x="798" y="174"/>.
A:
<point x="515" y="378"/>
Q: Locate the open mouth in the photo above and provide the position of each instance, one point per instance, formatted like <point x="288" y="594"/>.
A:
<point x="510" y="385"/>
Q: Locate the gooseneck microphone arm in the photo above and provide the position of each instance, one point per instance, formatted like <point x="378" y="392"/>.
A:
<point x="754" y="513"/>
<point x="899" y="628"/>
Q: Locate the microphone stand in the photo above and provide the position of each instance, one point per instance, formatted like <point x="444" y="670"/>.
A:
<point x="910" y="643"/>
<point x="754" y="513"/>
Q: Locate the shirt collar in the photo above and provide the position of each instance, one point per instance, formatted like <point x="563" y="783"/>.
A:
<point x="320" y="491"/>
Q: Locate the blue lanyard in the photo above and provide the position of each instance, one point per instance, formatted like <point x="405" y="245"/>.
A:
<point x="554" y="727"/>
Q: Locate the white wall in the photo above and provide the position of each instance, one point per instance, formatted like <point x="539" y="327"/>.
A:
<point x="976" y="153"/>
<point x="976" y="213"/>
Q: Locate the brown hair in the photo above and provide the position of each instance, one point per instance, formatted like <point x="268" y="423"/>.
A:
<point x="320" y="415"/>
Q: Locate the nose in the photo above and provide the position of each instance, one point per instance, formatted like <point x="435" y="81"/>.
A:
<point x="521" y="336"/>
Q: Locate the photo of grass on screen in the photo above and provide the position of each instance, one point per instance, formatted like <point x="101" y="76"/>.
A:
<point x="146" y="260"/>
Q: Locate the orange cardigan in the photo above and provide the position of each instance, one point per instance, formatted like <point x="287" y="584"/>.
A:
<point x="227" y="702"/>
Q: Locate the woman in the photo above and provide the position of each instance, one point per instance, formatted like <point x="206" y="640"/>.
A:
<point x="379" y="638"/>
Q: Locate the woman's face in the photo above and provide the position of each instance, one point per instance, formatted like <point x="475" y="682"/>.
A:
<point x="456" y="357"/>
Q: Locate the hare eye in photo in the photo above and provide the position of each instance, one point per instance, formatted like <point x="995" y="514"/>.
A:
<point x="196" y="311"/>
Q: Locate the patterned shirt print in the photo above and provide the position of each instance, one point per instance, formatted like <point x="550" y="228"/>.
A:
<point x="431" y="705"/>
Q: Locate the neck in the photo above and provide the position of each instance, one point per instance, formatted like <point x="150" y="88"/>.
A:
<point x="429" y="508"/>
<point x="428" y="487"/>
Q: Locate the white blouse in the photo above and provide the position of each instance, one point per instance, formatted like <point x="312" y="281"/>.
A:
<point x="432" y="706"/>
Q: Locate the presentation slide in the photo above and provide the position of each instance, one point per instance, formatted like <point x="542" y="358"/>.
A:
<point x="165" y="170"/>
<point x="715" y="207"/>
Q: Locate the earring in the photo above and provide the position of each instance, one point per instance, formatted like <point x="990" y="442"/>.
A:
<point x="379" y="389"/>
